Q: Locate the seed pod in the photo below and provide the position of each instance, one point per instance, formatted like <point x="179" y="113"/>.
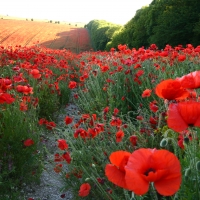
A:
<point x="187" y="172"/>
<point x="163" y="142"/>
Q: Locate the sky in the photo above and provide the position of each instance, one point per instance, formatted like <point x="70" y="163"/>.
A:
<point x="114" y="11"/>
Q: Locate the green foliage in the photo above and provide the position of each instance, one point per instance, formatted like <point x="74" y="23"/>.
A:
<point x="101" y="33"/>
<point x="18" y="163"/>
<point x="119" y="37"/>
<point x="65" y="93"/>
<point x="196" y="30"/>
<point x="47" y="105"/>
<point x="175" y="24"/>
<point x="162" y="22"/>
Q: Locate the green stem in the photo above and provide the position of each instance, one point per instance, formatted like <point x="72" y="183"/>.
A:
<point x="153" y="192"/>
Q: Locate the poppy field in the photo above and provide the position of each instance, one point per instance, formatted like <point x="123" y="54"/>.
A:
<point x="138" y="127"/>
<point x="137" y="137"/>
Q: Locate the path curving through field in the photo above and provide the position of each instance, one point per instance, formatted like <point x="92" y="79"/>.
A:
<point x="51" y="184"/>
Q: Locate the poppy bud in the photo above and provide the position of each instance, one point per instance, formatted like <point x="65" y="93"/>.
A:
<point x="187" y="172"/>
<point x="87" y="179"/>
<point x="163" y="142"/>
<point x="93" y="165"/>
<point x="198" y="165"/>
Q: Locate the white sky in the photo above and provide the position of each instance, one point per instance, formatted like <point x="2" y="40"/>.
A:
<point x="115" y="11"/>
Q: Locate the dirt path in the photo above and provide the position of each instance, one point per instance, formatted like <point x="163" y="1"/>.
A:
<point x="51" y="183"/>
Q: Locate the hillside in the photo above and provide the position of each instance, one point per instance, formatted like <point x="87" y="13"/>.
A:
<point x="53" y="35"/>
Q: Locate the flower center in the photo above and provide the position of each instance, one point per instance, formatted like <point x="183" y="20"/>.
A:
<point x="148" y="171"/>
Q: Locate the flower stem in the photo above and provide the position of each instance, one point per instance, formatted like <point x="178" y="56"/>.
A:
<point x="153" y="192"/>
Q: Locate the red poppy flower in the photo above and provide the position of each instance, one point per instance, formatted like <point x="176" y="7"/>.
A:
<point x="93" y="132"/>
<point x="67" y="157"/>
<point x="146" y="93"/>
<point x="42" y="121"/>
<point x="35" y="73"/>
<point x="181" y="58"/>
<point x="50" y="125"/>
<point x="133" y="139"/>
<point x="106" y="110"/>
<point x="93" y="119"/>
<point x="116" y="121"/>
<point x="191" y="80"/>
<point x="6" y="98"/>
<point x="115" y="171"/>
<point x="116" y="111"/>
<point x="62" y="144"/>
<point x="68" y="120"/>
<point x="76" y="96"/>
<point x="23" y="106"/>
<point x="72" y="84"/>
<point x="84" y="190"/>
<point x="183" y="114"/>
<point x="84" y="117"/>
<point x="123" y="98"/>
<point x="171" y="89"/>
<point x="153" y="47"/>
<point x="139" y="73"/>
<point x="29" y="142"/>
<point x="58" y="168"/>
<point x="150" y="165"/>
<point x="5" y="84"/>
<point x="84" y="134"/>
<point x="100" y="126"/>
<point x="104" y="68"/>
<point x="58" y="158"/>
<point x="153" y="107"/>
<point x="137" y="80"/>
<point x="119" y="136"/>
<point x="24" y="89"/>
<point x="18" y="79"/>
<point x="137" y="66"/>
<point x="153" y="120"/>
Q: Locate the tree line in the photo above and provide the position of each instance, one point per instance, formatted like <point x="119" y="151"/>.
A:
<point x="163" y="22"/>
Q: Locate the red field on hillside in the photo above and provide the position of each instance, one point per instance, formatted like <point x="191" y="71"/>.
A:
<point x="51" y="35"/>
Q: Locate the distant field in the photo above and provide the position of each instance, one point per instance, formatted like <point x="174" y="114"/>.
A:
<point x="62" y="35"/>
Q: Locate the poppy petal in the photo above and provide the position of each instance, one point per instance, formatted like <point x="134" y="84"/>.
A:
<point x="136" y="183"/>
<point x="137" y="164"/>
<point x="142" y="155"/>
<point x="197" y="123"/>
<point x="171" y="89"/>
<point x="168" y="187"/>
<point x="115" y="176"/>
<point x="170" y="182"/>
<point x="117" y="157"/>
<point x="175" y="120"/>
<point x="167" y="161"/>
